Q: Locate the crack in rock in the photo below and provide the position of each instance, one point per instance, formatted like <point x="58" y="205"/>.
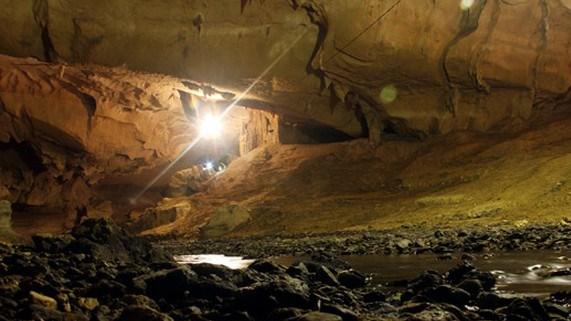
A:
<point x="469" y="23"/>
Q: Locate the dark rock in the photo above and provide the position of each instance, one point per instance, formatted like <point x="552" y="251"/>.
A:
<point x="459" y="273"/>
<point x="492" y="301"/>
<point x="37" y="312"/>
<point x="106" y="241"/>
<point x="107" y="288"/>
<point x="490" y="315"/>
<point x="557" y="310"/>
<point x="527" y="309"/>
<point x="140" y="313"/>
<point x="467" y="257"/>
<point x="324" y="275"/>
<point x="375" y="295"/>
<point x="449" y="294"/>
<point x="298" y="270"/>
<point x="345" y="314"/>
<point x="317" y="316"/>
<point x="235" y="316"/>
<point x="169" y="284"/>
<point x="487" y="279"/>
<point x="472" y="286"/>
<point x="51" y="243"/>
<point x="210" y="288"/>
<point x="262" y="298"/>
<point x="283" y="314"/>
<point x="135" y="299"/>
<point x="206" y="269"/>
<point x="428" y="279"/>
<point x="265" y="266"/>
<point x="352" y="279"/>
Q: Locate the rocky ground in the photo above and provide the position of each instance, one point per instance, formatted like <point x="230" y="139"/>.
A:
<point x="407" y="240"/>
<point x="98" y="272"/>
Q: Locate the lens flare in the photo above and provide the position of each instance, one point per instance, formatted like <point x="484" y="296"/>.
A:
<point x="210" y="127"/>
<point x="388" y="94"/>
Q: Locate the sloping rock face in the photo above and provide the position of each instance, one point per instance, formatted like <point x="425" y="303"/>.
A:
<point x="63" y="129"/>
<point x="411" y="67"/>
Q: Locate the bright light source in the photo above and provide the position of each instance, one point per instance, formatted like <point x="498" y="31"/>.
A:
<point x="210" y="127"/>
<point x="208" y="166"/>
<point x="466" y="4"/>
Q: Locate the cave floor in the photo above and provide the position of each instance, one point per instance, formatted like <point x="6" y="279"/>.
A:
<point x="460" y="180"/>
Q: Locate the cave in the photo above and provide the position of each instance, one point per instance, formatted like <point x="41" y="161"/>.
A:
<point x="285" y="160"/>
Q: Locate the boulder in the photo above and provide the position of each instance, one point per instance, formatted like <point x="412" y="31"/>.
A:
<point x="352" y="279"/>
<point x="224" y="220"/>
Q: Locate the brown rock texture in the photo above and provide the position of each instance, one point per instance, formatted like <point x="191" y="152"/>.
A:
<point x="482" y="68"/>
<point x="65" y="128"/>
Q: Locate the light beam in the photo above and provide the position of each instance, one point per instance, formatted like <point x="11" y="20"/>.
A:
<point x="224" y="113"/>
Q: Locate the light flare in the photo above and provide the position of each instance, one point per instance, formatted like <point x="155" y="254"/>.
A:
<point x="209" y="129"/>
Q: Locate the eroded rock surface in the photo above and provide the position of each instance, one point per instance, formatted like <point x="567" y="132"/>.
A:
<point x="417" y="67"/>
<point x="64" y="129"/>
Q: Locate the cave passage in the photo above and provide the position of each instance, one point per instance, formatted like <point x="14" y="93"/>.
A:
<point x="284" y="160"/>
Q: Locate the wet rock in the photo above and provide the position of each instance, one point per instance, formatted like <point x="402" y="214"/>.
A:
<point x="449" y="294"/>
<point x="428" y="279"/>
<point x="352" y="279"/>
<point x="555" y="310"/>
<point x="324" y="275"/>
<point x="472" y="286"/>
<point x="317" y="316"/>
<point x="138" y="313"/>
<point x="298" y="270"/>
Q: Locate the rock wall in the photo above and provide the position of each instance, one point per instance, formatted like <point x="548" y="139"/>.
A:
<point x="64" y="128"/>
<point x="420" y="67"/>
<point x="261" y="128"/>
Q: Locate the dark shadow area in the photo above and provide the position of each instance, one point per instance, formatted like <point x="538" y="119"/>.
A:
<point x="306" y="133"/>
<point x="14" y="155"/>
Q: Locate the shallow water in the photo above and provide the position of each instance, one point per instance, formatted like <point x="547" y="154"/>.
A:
<point x="516" y="272"/>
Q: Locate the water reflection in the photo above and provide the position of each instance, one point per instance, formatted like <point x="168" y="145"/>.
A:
<point x="537" y="273"/>
<point x="232" y="262"/>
